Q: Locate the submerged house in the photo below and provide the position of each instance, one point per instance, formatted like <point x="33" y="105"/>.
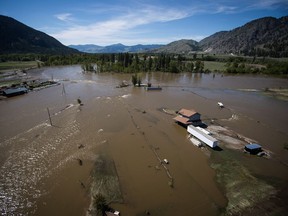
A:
<point x="188" y="117"/>
<point x="10" y="92"/>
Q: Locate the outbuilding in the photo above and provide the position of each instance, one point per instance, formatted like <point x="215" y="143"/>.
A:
<point x="10" y="92"/>
<point x="187" y="117"/>
<point x="253" y="148"/>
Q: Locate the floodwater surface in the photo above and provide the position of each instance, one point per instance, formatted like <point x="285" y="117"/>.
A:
<point x="40" y="172"/>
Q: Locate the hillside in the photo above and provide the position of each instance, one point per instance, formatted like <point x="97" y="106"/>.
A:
<point x="115" y="48"/>
<point x="15" y="37"/>
<point x="267" y="36"/>
<point x="179" y="47"/>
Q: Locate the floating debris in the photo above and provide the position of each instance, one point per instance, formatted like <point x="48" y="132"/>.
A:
<point x="81" y="146"/>
<point x="220" y="104"/>
<point x="80" y="161"/>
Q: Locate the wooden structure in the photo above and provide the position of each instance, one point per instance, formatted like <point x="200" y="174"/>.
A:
<point x="188" y="117"/>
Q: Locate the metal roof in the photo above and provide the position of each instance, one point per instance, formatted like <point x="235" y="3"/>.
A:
<point x="253" y="146"/>
<point x="14" y="90"/>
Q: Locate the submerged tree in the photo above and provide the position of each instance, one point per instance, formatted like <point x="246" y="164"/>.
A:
<point x="87" y="67"/>
<point x="136" y="79"/>
<point x="100" y="204"/>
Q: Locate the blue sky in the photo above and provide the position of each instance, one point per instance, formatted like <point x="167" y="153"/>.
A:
<point x="134" y="22"/>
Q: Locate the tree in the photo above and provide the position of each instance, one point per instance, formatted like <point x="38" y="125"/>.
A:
<point x="134" y="79"/>
<point x="100" y="203"/>
<point x="139" y="81"/>
<point x="150" y="62"/>
<point x="199" y="66"/>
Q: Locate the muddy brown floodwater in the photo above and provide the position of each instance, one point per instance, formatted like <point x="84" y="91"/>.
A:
<point x="40" y="169"/>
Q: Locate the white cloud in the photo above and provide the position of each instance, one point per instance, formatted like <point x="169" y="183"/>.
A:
<point x="119" y="26"/>
<point x="64" y="16"/>
<point x="102" y="24"/>
<point x="269" y="4"/>
<point x="225" y="9"/>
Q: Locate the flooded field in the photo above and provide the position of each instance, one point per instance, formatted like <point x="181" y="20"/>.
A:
<point x="112" y="144"/>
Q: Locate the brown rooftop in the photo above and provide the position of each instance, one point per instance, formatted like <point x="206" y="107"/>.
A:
<point x="186" y="112"/>
<point x="182" y="120"/>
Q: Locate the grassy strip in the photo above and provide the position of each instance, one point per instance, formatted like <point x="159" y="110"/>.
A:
<point x="17" y="65"/>
<point x="243" y="190"/>
<point x="214" y="66"/>
<point x="105" y="181"/>
<point x="281" y="93"/>
<point x="10" y="82"/>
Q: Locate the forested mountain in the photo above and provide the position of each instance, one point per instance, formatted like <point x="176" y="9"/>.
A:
<point x="15" y="37"/>
<point x="115" y="48"/>
<point x="267" y="36"/>
<point x="180" y="47"/>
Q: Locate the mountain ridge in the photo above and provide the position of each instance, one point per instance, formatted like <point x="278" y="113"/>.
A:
<point x="263" y="36"/>
<point x="119" y="47"/>
<point x="16" y="37"/>
<point x="267" y="36"/>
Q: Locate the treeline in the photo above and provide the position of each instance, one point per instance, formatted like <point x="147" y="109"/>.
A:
<point x="262" y="65"/>
<point x="173" y="63"/>
<point x="119" y="62"/>
<point x="133" y="62"/>
<point x="274" y="50"/>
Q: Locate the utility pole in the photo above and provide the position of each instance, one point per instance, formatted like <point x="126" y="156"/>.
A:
<point x="49" y="116"/>
<point x="63" y="89"/>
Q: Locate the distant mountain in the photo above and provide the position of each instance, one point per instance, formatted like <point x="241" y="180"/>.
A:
<point x="115" y="48"/>
<point x="180" y="47"/>
<point x="265" y="36"/>
<point x="88" y="48"/>
<point x="15" y="37"/>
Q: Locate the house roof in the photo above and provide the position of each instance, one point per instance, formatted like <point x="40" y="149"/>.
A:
<point x="186" y="112"/>
<point x="182" y="120"/>
<point x="11" y="91"/>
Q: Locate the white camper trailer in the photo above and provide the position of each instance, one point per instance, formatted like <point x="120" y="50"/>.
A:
<point x="203" y="137"/>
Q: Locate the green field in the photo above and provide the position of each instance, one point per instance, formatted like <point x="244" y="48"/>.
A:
<point x="14" y="65"/>
<point x="214" y="66"/>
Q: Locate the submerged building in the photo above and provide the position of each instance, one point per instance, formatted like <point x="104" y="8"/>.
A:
<point x="188" y="117"/>
<point x="10" y="92"/>
<point x="253" y="148"/>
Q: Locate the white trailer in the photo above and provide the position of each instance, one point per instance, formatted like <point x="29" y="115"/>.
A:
<point x="203" y="130"/>
<point x="203" y="137"/>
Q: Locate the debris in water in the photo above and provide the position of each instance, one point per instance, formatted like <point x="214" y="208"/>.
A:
<point x="82" y="184"/>
<point x="81" y="146"/>
<point x="80" y="162"/>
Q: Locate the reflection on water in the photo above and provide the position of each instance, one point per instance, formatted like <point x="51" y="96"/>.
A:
<point x="129" y="121"/>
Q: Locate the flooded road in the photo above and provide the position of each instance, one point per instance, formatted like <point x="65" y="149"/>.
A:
<point x="40" y="172"/>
